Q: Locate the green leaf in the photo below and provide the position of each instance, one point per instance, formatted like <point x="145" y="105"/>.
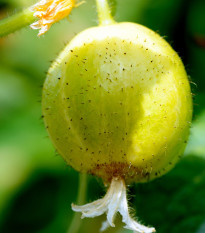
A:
<point x="175" y="202"/>
<point x="196" y="143"/>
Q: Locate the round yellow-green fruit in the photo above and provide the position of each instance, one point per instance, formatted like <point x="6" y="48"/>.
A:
<point x="117" y="103"/>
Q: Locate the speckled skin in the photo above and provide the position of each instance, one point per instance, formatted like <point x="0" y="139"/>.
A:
<point x="117" y="102"/>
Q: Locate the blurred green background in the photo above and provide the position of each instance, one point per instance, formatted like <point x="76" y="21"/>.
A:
<point x="36" y="186"/>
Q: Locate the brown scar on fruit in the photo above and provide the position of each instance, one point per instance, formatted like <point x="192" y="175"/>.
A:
<point x="127" y="172"/>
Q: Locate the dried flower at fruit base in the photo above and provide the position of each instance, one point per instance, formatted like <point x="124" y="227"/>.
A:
<point x="113" y="202"/>
<point x="50" y="12"/>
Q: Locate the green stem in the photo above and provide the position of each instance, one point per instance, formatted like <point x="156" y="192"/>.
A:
<point x="16" y="22"/>
<point x="104" y="13"/>
<point x="82" y="187"/>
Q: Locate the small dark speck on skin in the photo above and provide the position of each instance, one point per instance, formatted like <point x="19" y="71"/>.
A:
<point x="59" y="78"/>
<point x="125" y="53"/>
<point x="67" y="84"/>
<point x="71" y="51"/>
<point x="65" y="63"/>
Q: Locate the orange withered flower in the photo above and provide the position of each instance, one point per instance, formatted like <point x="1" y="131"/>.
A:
<point x="51" y="11"/>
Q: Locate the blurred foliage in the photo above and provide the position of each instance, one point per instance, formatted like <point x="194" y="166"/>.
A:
<point x="113" y="6"/>
<point x="36" y="186"/>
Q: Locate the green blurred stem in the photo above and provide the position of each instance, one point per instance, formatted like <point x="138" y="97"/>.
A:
<point x="104" y="13"/>
<point x="82" y="190"/>
<point x="16" y="22"/>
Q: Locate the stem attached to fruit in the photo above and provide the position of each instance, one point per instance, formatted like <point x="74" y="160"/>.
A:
<point x="104" y="13"/>
<point x="16" y="22"/>
<point x="76" y="221"/>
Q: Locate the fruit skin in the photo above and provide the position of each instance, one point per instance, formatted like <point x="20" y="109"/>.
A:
<point x="117" y="102"/>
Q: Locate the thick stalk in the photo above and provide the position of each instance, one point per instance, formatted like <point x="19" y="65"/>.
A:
<point x="16" y="22"/>
<point x="104" y="13"/>
<point x="82" y="188"/>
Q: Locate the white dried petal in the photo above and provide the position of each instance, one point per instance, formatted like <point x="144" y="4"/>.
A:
<point x="114" y="201"/>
